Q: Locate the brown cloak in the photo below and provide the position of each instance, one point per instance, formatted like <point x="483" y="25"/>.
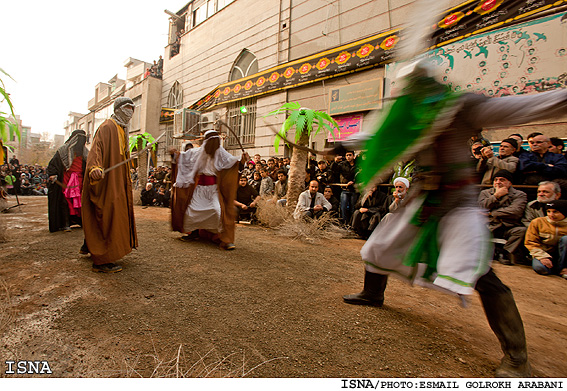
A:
<point x="227" y="182"/>
<point x="108" y="208"/>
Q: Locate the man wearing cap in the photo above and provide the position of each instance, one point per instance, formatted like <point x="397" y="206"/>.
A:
<point x="488" y="164"/>
<point x="108" y="208"/>
<point x="546" y="239"/>
<point x="505" y="207"/>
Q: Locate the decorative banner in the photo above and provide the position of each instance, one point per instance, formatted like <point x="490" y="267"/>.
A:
<point x="526" y="58"/>
<point x="470" y="18"/>
<point x="354" y="57"/>
<point x="356" y="97"/>
<point x="474" y="17"/>
<point x="348" y="124"/>
<point x="166" y="115"/>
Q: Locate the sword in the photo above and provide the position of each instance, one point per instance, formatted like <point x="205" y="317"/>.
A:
<point x="135" y="156"/>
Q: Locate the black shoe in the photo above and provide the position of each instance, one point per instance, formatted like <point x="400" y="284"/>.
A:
<point x="373" y="292"/>
<point x="192" y="236"/>
<point x="84" y="250"/>
<point x="107" y="268"/>
<point x="363" y="298"/>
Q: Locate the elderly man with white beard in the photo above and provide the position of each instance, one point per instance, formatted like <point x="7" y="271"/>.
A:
<point x="547" y="191"/>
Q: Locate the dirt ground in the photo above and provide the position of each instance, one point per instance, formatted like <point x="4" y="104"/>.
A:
<point x="271" y="308"/>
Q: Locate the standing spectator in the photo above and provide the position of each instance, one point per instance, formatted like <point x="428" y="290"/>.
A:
<point x="546" y="239"/>
<point x="348" y="170"/>
<point x="323" y="174"/>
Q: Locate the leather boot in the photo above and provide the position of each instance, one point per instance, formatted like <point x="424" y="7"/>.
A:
<point x="505" y="321"/>
<point x="373" y="292"/>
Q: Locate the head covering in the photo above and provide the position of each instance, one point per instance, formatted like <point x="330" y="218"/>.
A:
<point x="560" y="205"/>
<point x="504" y="174"/>
<point x="512" y="142"/>
<point x="77" y="142"/>
<point x="403" y="180"/>
<point x="123" y="111"/>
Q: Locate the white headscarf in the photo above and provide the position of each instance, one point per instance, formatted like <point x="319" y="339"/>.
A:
<point x="193" y="161"/>
<point x="403" y="180"/>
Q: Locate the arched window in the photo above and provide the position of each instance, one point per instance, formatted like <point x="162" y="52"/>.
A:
<point x="175" y="97"/>
<point x="245" y="65"/>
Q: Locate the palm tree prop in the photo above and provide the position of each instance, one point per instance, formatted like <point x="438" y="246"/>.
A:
<point x="8" y="128"/>
<point x="139" y="142"/>
<point x="307" y="122"/>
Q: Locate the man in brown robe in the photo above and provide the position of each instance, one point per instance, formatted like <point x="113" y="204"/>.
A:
<point x="108" y="211"/>
<point x="207" y="178"/>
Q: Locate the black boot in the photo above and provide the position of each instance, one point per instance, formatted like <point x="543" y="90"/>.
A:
<point x="505" y="321"/>
<point x="373" y="292"/>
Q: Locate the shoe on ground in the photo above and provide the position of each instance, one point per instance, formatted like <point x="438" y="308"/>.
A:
<point x="228" y="246"/>
<point x="191" y="237"/>
<point x="84" y="250"/>
<point x="107" y="268"/>
<point x="363" y="298"/>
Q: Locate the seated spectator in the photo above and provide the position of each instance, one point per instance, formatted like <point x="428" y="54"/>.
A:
<point x="148" y="195"/>
<point x="505" y="207"/>
<point x="163" y="197"/>
<point x="540" y="165"/>
<point x="267" y="185"/>
<point x="489" y="164"/>
<point x="556" y="145"/>
<point x="256" y="181"/>
<point x="328" y="194"/>
<point x="246" y="200"/>
<point x="546" y="239"/>
<point x="272" y="169"/>
<point x="323" y="174"/>
<point x="546" y="193"/>
<point x="280" y="188"/>
<point x="311" y="204"/>
<point x="368" y="211"/>
<point x="26" y="186"/>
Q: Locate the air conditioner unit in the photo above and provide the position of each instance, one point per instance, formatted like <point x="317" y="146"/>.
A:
<point x="187" y="124"/>
<point x="209" y="121"/>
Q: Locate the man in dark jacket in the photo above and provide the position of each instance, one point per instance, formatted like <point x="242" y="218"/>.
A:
<point x="539" y="164"/>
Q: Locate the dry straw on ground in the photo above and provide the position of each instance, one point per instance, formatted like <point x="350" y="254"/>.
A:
<point x="209" y="365"/>
<point x="281" y="218"/>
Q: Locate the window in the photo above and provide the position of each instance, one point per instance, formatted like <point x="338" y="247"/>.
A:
<point x="136" y="118"/>
<point x="243" y="123"/>
<point x="175" y="97"/>
<point x="223" y="3"/>
<point x="245" y="65"/>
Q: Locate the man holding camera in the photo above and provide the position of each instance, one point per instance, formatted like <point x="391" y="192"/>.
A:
<point x="488" y="164"/>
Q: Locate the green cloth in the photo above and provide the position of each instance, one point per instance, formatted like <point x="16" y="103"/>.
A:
<point x="409" y="119"/>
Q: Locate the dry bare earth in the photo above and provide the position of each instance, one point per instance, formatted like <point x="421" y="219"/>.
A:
<point x="272" y="308"/>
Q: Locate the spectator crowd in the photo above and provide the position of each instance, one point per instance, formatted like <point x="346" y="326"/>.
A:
<point x="23" y="180"/>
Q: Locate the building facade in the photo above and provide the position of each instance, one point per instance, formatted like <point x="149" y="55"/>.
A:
<point x="226" y="55"/>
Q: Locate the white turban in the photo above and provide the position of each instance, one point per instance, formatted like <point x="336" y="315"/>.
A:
<point x="403" y="180"/>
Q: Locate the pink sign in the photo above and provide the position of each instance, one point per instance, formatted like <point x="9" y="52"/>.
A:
<point x="348" y="124"/>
